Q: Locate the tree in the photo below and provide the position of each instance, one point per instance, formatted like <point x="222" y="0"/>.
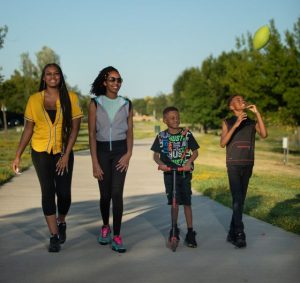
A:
<point x="16" y="90"/>
<point x="12" y="92"/>
<point x="140" y="106"/>
<point x="3" y="32"/>
<point x="46" y="56"/>
<point x="179" y="86"/>
<point x="291" y="94"/>
<point x="160" y="102"/>
<point x="28" y="69"/>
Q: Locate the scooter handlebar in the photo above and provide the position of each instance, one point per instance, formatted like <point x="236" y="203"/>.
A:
<point x="179" y="169"/>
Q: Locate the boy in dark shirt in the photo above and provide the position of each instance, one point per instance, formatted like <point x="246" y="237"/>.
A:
<point x="238" y="135"/>
<point x="176" y="147"/>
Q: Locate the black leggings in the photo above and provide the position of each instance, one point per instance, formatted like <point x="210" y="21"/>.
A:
<point x="52" y="184"/>
<point x="111" y="187"/>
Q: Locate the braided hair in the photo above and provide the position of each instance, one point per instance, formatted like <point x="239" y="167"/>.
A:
<point x="65" y="103"/>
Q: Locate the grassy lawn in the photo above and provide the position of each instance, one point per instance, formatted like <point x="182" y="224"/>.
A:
<point x="9" y="143"/>
<point x="272" y="198"/>
<point x="274" y="189"/>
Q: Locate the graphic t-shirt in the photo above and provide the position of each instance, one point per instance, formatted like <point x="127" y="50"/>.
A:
<point x="175" y="149"/>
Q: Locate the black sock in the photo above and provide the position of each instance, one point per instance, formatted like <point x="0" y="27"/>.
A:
<point x="190" y="230"/>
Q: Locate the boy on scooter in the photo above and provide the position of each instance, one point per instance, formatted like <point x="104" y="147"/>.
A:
<point x="173" y="148"/>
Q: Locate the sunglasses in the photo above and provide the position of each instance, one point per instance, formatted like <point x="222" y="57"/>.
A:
<point x="113" y="79"/>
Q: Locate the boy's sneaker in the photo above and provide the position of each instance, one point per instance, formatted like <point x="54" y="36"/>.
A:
<point x="104" y="237"/>
<point x="231" y="238"/>
<point x="177" y="232"/>
<point x="117" y="244"/>
<point x="54" y="246"/>
<point x="62" y="227"/>
<point x="190" y="239"/>
<point x="240" y="240"/>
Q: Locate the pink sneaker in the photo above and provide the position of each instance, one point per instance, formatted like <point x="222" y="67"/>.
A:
<point x="104" y="237"/>
<point x="117" y="244"/>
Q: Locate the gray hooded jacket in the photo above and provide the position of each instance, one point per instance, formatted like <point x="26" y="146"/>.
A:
<point x="116" y="130"/>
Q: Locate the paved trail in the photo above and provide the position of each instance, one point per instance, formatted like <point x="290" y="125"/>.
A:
<point x="272" y="255"/>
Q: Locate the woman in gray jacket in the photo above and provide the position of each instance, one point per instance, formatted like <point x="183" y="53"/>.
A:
<point x="111" y="141"/>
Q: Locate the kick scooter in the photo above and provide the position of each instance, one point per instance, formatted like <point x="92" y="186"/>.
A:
<point x="173" y="241"/>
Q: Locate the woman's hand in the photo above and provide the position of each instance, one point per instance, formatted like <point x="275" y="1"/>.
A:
<point x="15" y="165"/>
<point x="97" y="172"/>
<point x="62" y="165"/>
<point x="123" y="163"/>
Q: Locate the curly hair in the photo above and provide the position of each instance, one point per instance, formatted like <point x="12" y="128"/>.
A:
<point x="65" y="103"/>
<point x="98" y="88"/>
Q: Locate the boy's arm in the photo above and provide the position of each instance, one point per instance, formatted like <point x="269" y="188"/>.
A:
<point x="226" y="135"/>
<point x="161" y="166"/>
<point x="260" y="126"/>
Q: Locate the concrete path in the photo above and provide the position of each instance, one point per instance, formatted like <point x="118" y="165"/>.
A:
<point x="272" y="254"/>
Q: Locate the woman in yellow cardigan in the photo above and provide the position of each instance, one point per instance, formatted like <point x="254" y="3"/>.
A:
<point x="52" y="121"/>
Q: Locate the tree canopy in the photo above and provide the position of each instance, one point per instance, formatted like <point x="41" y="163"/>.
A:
<point x="269" y="78"/>
<point x="15" y="91"/>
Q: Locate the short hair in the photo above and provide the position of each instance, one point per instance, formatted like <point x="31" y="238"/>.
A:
<point x="169" y="109"/>
<point x="232" y="97"/>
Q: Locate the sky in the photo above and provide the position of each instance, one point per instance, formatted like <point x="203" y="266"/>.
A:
<point x="150" y="42"/>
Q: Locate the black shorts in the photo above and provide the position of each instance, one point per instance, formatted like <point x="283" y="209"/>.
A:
<point x="183" y="188"/>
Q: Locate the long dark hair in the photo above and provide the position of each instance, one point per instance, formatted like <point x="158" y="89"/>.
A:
<point x="98" y="88"/>
<point x="65" y="103"/>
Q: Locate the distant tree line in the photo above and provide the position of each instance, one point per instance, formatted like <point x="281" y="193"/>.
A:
<point x="270" y="78"/>
<point x="15" y="91"/>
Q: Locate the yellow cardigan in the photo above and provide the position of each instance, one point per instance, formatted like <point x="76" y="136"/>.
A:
<point x="47" y="136"/>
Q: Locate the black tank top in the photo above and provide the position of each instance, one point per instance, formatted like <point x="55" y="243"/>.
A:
<point x="240" y="148"/>
<point x="52" y="114"/>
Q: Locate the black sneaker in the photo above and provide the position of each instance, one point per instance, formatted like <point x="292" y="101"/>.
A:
<point x="54" y="246"/>
<point x="62" y="227"/>
<point x="231" y="238"/>
<point x="240" y="240"/>
<point x="190" y="239"/>
<point x="176" y="233"/>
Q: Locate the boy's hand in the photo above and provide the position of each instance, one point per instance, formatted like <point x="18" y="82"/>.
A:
<point x="252" y="108"/>
<point x="163" y="167"/>
<point x="240" y="119"/>
<point x="187" y="167"/>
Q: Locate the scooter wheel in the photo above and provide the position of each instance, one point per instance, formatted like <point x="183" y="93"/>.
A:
<point x="173" y="244"/>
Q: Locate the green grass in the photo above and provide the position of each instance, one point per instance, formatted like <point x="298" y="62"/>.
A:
<point x="271" y="198"/>
<point x="143" y="130"/>
<point x="8" y="145"/>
